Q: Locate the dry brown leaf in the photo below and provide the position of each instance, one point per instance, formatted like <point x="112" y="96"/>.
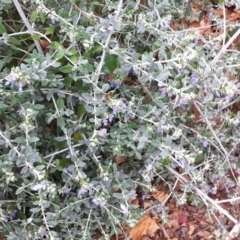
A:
<point x="141" y="228"/>
<point x="191" y="228"/>
<point x="173" y="220"/>
<point x="120" y="160"/>
<point x="44" y="43"/>
<point x="146" y="204"/>
<point x="161" y="196"/>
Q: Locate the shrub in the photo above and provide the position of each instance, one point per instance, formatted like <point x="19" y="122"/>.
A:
<point x="114" y="82"/>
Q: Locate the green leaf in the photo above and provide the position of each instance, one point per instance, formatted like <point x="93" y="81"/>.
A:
<point x="166" y="161"/>
<point x="81" y="110"/>
<point x="34" y="139"/>
<point x="66" y="69"/>
<point x="73" y="58"/>
<point x="192" y="197"/>
<point x="33" y="16"/>
<point x="19" y="190"/>
<point x="60" y="103"/>
<point x="220" y="1"/>
<point x="2" y="29"/>
<point x="60" y="53"/>
<point x="36" y="36"/>
<point x="42" y="16"/>
<point x="50" y="30"/>
<point x="112" y="62"/>
<point x="67" y="81"/>
<point x="14" y="41"/>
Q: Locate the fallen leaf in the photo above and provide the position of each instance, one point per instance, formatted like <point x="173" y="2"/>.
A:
<point x="161" y="196"/>
<point x="191" y="228"/>
<point x="44" y="43"/>
<point x="141" y="228"/>
<point x="120" y="160"/>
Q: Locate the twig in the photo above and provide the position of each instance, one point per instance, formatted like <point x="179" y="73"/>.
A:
<point x="224" y="48"/>
<point x="203" y="195"/>
<point x="29" y="27"/>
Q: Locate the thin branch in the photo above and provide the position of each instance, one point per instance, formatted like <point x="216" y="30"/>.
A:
<point x="26" y="22"/>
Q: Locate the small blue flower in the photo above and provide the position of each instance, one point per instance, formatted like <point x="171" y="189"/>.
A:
<point x="112" y="84"/>
<point x="131" y="72"/>
<point x="5" y="220"/>
<point x="76" y="128"/>
<point x="205" y="144"/>
<point x="11" y="81"/>
<point x="68" y="170"/>
<point x="229" y="97"/>
<point x="99" y="202"/>
<point x="81" y="191"/>
<point x="149" y="167"/>
<point x="123" y="103"/>
<point x="168" y="23"/>
<point x="118" y="85"/>
<point x="114" y="110"/>
<point x="102" y="203"/>
<point x="52" y="20"/>
<point x="139" y="27"/>
<point x="103" y="132"/>
<point x="163" y="91"/>
<point x="196" y="40"/>
<point x="67" y="190"/>
<point x="194" y="78"/>
<point x="110" y="118"/>
<point x="14" y="213"/>
<point x="39" y="186"/>
<point x="105" y="122"/>
<point x="183" y="101"/>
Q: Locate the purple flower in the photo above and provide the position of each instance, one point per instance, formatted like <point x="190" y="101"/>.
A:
<point x="205" y="144"/>
<point x="229" y="97"/>
<point x="11" y="81"/>
<point x="159" y="129"/>
<point x="67" y="190"/>
<point x="105" y="122"/>
<point x="76" y="128"/>
<point x="123" y="103"/>
<point x="39" y="186"/>
<point x="149" y="167"/>
<point x="194" y="78"/>
<point x="196" y="40"/>
<point x="132" y="193"/>
<point x="5" y="220"/>
<point x="52" y="20"/>
<point x="168" y="23"/>
<point x="68" y="170"/>
<point x="170" y="95"/>
<point x="20" y="113"/>
<point x="183" y="164"/>
<point x="143" y="197"/>
<point x="118" y="85"/>
<point x="103" y="132"/>
<point x="139" y="27"/>
<point x="102" y="203"/>
<point x="163" y="91"/>
<point x="110" y="118"/>
<point x="114" y="110"/>
<point x="183" y="101"/>
<point x="81" y="191"/>
<point x="112" y="84"/>
<point x="131" y="72"/>
<point x="14" y="213"/>
<point x="98" y="202"/>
